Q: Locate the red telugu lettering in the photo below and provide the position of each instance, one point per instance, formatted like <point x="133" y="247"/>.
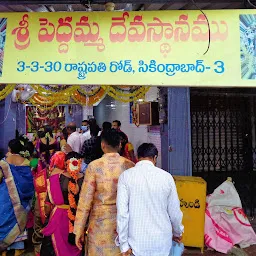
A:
<point x="179" y="34"/>
<point x="44" y="35"/>
<point x="90" y="36"/>
<point x="155" y="31"/>
<point x="22" y="40"/>
<point x="64" y="30"/>
<point x="118" y="23"/>
<point x="133" y="34"/>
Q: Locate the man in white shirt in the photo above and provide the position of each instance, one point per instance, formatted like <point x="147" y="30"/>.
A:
<point x="148" y="208"/>
<point x="75" y="139"/>
<point x="86" y="129"/>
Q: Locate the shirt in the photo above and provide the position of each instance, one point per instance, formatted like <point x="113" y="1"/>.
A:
<point x="98" y="203"/>
<point x="89" y="150"/>
<point x="148" y="211"/>
<point x="75" y="141"/>
<point x="87" y="135"/>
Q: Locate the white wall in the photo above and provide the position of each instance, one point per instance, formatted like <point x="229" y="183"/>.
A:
<point x="110" y="109"/>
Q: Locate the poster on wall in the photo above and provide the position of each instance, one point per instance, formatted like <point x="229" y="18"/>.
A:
<point x="37" y="118"/>
<point x="172" y="48"/>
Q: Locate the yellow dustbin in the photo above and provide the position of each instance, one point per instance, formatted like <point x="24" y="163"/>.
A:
<point x="192" y="195"/>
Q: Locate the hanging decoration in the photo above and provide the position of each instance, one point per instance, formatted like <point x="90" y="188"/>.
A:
<point x="50" y="96"/>
<point x="135" y="114"/>
<point x="127" y="93"/>
<point x="22" y="93"/>
<point x="5" y="90"/>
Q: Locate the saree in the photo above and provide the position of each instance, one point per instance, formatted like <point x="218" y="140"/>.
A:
<point x="129" y="152"/>
<point x="40" y="178"/>
<point x="41" y="149"/>
<point x="58" y="225"/>
<point x="16" y="191"/>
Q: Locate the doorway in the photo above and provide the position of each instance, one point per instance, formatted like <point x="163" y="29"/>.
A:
<point x="223" y="130"/>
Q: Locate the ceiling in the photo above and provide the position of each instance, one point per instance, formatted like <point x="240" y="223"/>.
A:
<point x="129" y="5"/>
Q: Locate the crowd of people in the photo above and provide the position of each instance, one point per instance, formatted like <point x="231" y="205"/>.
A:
<point x="86" y="193"/>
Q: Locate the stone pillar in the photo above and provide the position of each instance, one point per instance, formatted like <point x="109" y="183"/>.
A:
<point x="179" y="132"/>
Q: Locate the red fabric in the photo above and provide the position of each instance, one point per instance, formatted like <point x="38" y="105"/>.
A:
<point x="129" y="154"/>
<point x="30" y="222"/>
<point x="58" y="161"/>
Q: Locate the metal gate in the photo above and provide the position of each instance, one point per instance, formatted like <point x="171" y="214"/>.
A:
<point x="224" y="139"/>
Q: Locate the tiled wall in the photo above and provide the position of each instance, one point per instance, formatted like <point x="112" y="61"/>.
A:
<point x="110" y="109"/>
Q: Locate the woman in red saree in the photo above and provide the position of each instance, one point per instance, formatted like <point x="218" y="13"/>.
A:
<point x="63" y="192"/>
<point x="46" y="146"/>
<point x="127" y="149"/>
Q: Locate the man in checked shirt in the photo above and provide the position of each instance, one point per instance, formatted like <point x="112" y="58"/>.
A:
<point x="90" y="147"/>
<point x="148" y="208"/>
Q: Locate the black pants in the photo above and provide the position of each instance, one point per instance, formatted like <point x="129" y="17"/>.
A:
<point x="47" y="247"/>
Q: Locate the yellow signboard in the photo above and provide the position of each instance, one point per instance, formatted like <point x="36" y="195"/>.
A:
<point x="172" y="48"/>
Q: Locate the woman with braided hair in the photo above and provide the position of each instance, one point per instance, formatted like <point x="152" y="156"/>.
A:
<point x="47" y="145"/>
<point x="64" y="186"/>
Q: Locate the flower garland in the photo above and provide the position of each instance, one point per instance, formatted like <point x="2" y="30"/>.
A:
<point x="25" y="153"/>
<point x="48" y="103"/>
<point x="89" y="90"/>
<point x="124" y="96"/>
<point x="42" y="90"/>
<point x="71" y="95"/>
<point x="82" y="99"/>
<point x="73" y="168"/>
<point x="6" y="90"/>
<point x="127" y="91"/>
<point x="95" y="93"/>
<point x="50" y="96"/>
<point x="55" y="88"/>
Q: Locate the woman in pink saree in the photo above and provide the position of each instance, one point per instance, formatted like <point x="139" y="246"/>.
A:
<point x="63" y="192"/>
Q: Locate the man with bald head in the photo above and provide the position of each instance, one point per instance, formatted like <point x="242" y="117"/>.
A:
<point x="75" y="139"/>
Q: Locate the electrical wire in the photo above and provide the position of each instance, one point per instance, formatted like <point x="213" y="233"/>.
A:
<point x="208" y="23"/>
<point x="251" y="4"/>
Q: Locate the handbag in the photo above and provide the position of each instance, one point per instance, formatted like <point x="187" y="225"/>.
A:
<point x="177" y="249"/>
